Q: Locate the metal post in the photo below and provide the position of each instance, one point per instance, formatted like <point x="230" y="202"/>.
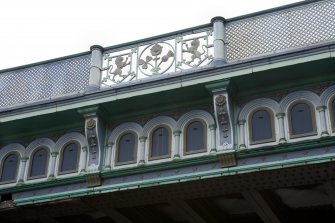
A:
<point x="220" y="51"/>
<point x="95" y="68"/>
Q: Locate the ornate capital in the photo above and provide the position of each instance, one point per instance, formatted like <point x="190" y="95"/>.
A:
<point x="212" y="126"/>
<point x="110" y="144"/>
<point x="84" y="148"/>
<point x="176" y="133"/>
<point x="241" y="122"/>
<point x="321" y="108"/>
<point x="24" y="159"/>
<point x="280" y="115"/>
<point x="54" y="154"/>
<point x="143" y="138"/>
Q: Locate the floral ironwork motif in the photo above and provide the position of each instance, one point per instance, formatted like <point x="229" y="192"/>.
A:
<point x="173" y="54"/>
<point x="118" y="68"/>
<point x="159" y="61"/>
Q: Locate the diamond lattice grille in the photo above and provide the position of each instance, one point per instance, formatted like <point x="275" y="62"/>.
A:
<point x="45" y="81"/>
<point x="292" y="28"/>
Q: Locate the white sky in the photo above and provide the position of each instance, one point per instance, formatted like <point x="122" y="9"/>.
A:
<point x="38" y="30"/>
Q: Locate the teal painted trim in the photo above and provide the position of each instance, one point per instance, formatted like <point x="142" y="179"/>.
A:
<point x="218" y="85"/>
<point x="41" y="185"/>
<point x="160" y="166"/>
<point x="174" y="179"/>
<point x="323" y="142"/>
<point x="179" y="163"/>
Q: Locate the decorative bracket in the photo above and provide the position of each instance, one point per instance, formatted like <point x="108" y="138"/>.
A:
<point x="220" y="101"/>
<point x="94" y="132"/>
<point x="222" y="110"/>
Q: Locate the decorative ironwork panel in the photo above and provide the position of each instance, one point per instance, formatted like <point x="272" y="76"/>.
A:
<point x="274" y="32"/>
<point x="46" y="81"/>
<point x="170" y="55"/>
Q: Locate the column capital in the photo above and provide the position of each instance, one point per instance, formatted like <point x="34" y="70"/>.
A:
<point x="241" y="122"/>
<point x="54" y="154"/>
<point x="177" y="132"/>
<point x="212" y="126"/>
<point x="321" y="108"/>
<point x="24" y="159"/>
<point x="143" y="138"/>
<point x="280" y="115"/>
<point x="84" y="148"/>
<point x="110" y="144"/>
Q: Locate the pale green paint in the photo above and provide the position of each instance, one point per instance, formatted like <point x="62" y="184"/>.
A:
<point x="291" y="62"/>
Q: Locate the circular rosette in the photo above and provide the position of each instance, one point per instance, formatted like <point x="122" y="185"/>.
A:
<point x="156" y="58"/>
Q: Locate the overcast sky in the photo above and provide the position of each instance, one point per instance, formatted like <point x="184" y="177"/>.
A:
<point x="38" y="30"/>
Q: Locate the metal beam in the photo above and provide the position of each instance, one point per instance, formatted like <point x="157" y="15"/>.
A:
<point x="116" y="216"/>
<point x="330" y="190"/>
<point x="192" y="215"/>
<point x="47" y="219"/>
<point x="261" y="207"/>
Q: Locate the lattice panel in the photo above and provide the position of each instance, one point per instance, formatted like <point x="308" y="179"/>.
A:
<point x="45" y="81"/>
<point x="292" y="28"/>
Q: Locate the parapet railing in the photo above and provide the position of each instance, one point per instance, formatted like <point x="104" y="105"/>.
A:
<point x="218" y="43"/>
<point x="171" y="54"/>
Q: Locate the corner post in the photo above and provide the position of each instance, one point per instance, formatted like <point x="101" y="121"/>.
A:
<point x="95" y="68"/>
<point x="220" y="50"/>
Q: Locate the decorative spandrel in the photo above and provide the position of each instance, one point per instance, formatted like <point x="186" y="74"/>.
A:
<point x="170" y="55"/>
